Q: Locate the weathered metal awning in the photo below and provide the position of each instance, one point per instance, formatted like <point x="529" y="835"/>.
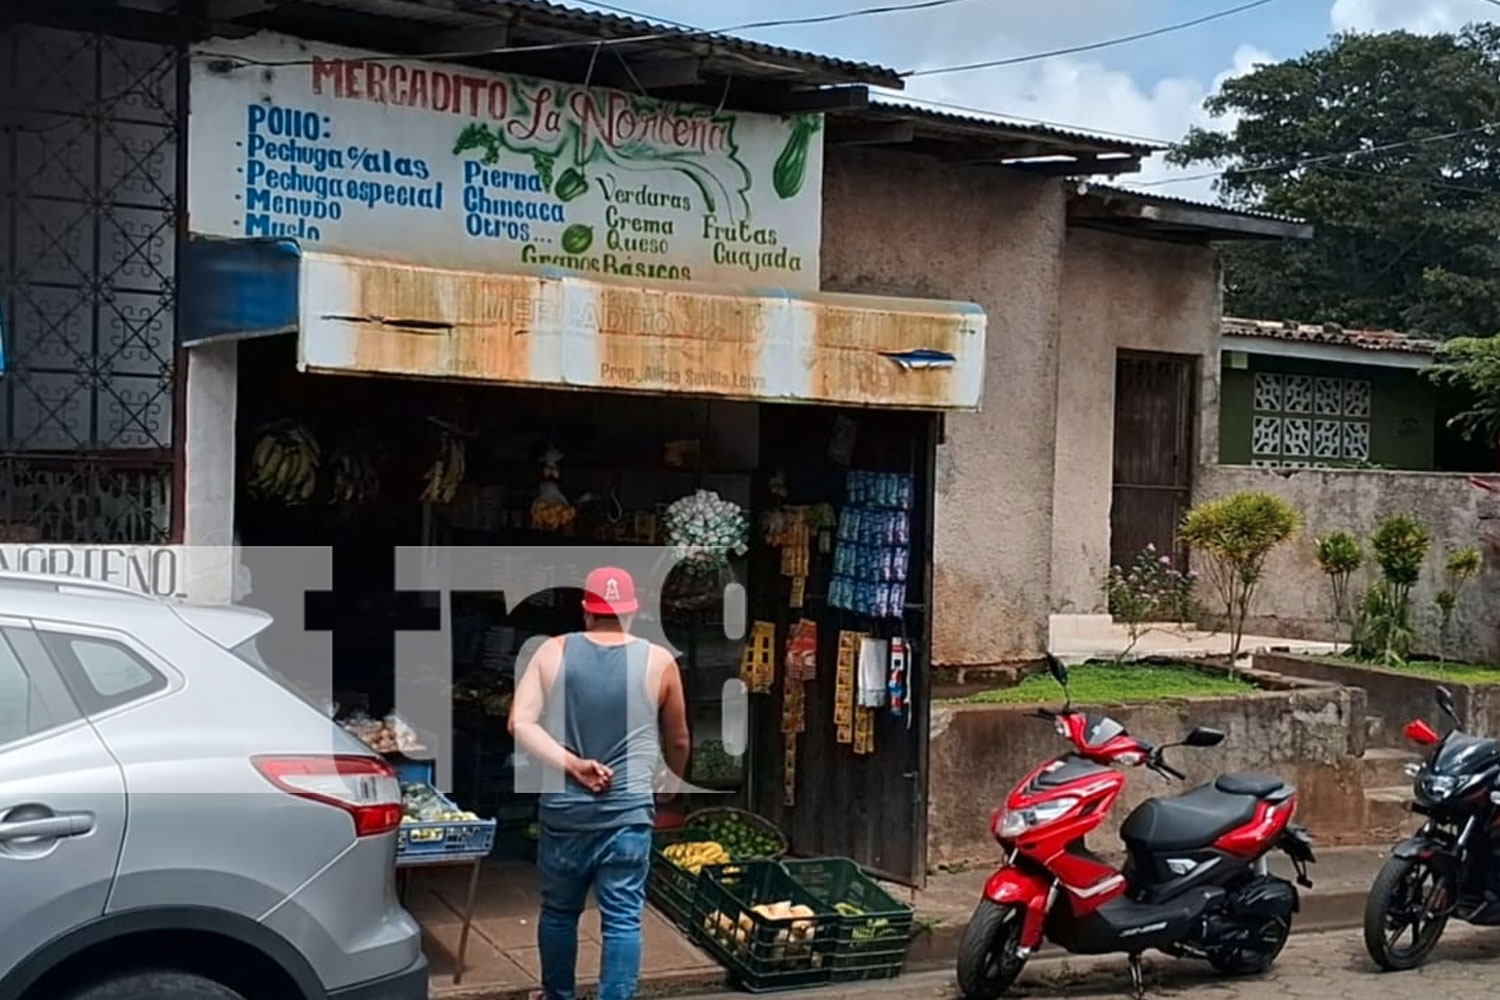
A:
<point x="362" y="315"/>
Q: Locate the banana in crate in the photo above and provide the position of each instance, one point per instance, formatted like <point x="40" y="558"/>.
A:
<point x="694" y="857"/>
<point x="284" y="464"/>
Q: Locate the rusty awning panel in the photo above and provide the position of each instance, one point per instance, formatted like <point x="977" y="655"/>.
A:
<point x="361" y="315"/>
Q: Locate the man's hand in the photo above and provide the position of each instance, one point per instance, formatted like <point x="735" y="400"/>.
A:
<point x="591" y="774"/>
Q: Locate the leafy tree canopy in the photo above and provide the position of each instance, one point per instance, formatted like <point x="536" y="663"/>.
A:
<point x="1408" y="228"/>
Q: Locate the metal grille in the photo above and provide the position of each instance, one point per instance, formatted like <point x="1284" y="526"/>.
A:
<point x="89" y="128"/>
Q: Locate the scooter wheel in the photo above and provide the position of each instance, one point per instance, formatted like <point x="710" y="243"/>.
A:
<point x="988" y="962"/>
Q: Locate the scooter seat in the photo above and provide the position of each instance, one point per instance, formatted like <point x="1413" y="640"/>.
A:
<point x="1258" y="785"/>
<point x="1188" y="821"/>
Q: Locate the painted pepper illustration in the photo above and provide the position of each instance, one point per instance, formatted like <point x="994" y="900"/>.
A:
<point x="791" y="166"/>
<point x="571" y="184"/>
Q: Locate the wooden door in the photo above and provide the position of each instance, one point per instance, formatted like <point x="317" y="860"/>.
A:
<point x="1154" y="452"/>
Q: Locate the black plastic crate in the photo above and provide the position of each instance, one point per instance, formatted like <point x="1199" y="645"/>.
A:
<point x="763" y="954"/>
<point x="872" y="944"/>
<point x="671" y="889"/>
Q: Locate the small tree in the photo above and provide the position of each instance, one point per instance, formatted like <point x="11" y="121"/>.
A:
<point x="1461" y="567"/>
<point x="1384" y="631"/>
<point x="1340" y="556"/>
<point x="1235" y="534"/>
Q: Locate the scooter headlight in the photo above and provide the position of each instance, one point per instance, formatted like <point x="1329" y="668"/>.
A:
<point x="1017" y="821"/>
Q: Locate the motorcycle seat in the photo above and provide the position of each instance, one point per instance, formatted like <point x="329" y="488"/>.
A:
<point x="1259" y="785"/>
<point x="1188" y="821"/>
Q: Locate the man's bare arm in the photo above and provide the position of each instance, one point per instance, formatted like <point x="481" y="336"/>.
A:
<point x="525" y="722"/>
<point x="676" y="742"/>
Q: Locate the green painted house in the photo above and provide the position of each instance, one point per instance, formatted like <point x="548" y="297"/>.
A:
<point x="1301" y="396"/>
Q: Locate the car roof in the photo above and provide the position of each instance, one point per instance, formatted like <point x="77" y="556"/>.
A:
<point x="90" y="602"/>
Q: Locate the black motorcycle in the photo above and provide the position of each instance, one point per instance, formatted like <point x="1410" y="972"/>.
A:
<point x="1451" y="868"/>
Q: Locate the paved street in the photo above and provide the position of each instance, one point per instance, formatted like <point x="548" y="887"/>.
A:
<point x="1314" y="967"/>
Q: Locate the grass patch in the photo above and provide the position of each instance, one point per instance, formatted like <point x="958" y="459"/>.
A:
<point x="1095" y="683"/>
<point x="1458" y="673"/>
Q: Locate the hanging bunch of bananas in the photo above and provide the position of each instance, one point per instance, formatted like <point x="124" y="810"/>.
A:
<point x="284" y="464"/>
<point x="355" y="480"/>
<point x="446" y="474"/>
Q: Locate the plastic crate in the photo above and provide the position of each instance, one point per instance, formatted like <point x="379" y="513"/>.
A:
<point x="872" y="945"/>
<point x="763" y="955"/>
<point x="671" y="889"/>
<point x="449" y="841"/>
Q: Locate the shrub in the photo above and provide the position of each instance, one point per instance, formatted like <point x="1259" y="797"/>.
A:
<point x="1460" y="568"/>
<point x="1384" y="628"/>
<point x="1151" y="590"/>
<point x="1340" y="555"/>
<point x="1235" y="535"/>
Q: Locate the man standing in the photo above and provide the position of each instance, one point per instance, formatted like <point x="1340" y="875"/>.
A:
<point x="603" y="708"/>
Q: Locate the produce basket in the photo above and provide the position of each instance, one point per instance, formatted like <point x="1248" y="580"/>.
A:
<point x="874" y="930"/>
<point x="669" y="886"/>
<point x="769" y="932"/>
<point x="420" y="840"/>
<point x="744" y="835"/>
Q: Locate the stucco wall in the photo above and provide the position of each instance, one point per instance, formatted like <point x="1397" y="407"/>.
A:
<point x="1311" y="737"/>
<point x="898" y="224"/>
<point x="1118" y="294"/>
<point x="1295" y="600"/>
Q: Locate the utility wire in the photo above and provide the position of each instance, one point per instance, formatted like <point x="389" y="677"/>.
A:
<point x="1325" y="158"/>
<point x="1094" y="46"/>
<point x="597" y="43"/>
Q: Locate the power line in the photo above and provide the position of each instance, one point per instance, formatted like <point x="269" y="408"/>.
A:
<point x="1093" y="46"/>
<point x="1420" y="181"/>
<point x="1313" y="160"/>
<point x="599" y="43"/>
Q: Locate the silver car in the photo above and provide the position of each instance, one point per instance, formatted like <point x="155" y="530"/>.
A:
<point x="175" y="824"/>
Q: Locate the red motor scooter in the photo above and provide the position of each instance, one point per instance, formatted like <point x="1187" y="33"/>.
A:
<point x="1195" y="883"/>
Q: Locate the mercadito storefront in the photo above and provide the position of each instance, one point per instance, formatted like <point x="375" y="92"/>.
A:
<point x="467" y="309"/>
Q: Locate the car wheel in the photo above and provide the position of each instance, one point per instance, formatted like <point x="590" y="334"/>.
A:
<point x="156" y="986"/>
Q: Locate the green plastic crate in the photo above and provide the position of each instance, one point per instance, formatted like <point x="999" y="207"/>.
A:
<point x="671" y="889"/>
<point x="872" y="945"/>
<point x="763" y="955"/>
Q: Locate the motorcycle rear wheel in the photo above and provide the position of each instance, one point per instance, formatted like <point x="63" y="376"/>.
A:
<point x="1400" y="901"/>
<point x="987" y="959"/>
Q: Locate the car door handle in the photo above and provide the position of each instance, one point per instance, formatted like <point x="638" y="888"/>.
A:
<point x="47" y="827"/>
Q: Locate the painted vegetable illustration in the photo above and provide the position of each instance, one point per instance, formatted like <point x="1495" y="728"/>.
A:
<point x="577" y="238"/>
<point x="791" y="166"/>
<point x="571" y="184"/>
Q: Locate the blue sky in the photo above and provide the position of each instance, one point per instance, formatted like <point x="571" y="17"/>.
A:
<point x="1153" y="88"/>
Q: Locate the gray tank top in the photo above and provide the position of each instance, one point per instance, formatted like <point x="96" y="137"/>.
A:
<point x="600" y="708"/>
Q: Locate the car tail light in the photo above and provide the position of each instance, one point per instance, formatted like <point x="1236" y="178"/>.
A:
<point x="364" y="787"/>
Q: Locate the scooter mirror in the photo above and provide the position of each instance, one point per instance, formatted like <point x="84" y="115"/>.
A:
<point x="1202" y="736"/>
<point x="1058" y="671"/>
<point x="1444" y="699"/>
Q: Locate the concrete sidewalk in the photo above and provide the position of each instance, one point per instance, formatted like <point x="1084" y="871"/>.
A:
<point x="1078" y="639"/>
<point x="1341" y="879"/>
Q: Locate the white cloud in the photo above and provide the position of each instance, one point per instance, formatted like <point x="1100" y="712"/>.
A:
<point x="1420" y="16"/>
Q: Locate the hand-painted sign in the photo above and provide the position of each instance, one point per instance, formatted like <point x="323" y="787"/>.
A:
<point x="155" y="570"/>
<point x="447" y="166"/>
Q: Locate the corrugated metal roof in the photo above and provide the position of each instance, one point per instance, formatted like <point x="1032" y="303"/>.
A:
<point x="1004" y="127"/>
<point x="559" y="22"/>
<point x="859" y="72"/>
<point x="1207" y="206"/>
<point x="1329" y="333"/>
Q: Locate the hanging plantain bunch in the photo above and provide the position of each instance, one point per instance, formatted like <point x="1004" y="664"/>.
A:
<point x="284" y="464"/>
<point x="442" y="479"/>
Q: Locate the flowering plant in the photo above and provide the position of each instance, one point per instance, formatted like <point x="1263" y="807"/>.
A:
<point x="1151" y="590"/>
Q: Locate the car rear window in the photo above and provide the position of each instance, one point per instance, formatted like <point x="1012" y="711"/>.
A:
<point x="101" y="673"/>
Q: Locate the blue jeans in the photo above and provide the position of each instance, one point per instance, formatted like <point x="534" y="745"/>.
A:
<point x="614" y="864"/>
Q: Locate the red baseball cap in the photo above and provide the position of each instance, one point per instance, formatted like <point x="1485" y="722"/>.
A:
<point x="609" y="591"/>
